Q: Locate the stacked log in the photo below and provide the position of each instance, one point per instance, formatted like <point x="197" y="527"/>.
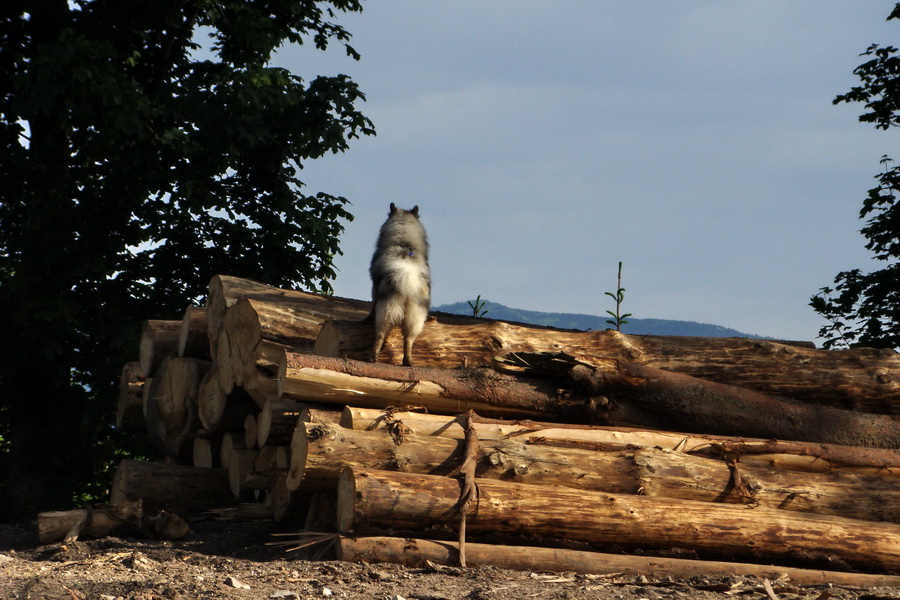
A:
<point x="747" y="450"/>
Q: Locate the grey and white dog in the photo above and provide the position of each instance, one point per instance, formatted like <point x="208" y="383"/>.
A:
<point x="401" y="280"/>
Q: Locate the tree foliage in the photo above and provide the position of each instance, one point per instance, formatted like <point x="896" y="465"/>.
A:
<point x="863" y="309"/>
<point x="139" y="165"/>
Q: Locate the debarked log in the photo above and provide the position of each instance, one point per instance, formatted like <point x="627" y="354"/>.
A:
<point x="862" y="379"/>
<point x="320" y="452"/>
<point x="419" y="553"/>
<point x="338" y="381"/>
<point x="776" y="454"/>
<point x="402" y="500"/>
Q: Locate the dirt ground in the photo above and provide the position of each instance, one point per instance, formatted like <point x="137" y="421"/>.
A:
<point x="233" y="561"/>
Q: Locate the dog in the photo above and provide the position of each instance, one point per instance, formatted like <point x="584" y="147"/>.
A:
<point x="401" y="280"/>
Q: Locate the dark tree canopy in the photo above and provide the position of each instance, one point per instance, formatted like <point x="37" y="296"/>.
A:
<point x="863" y="309"/>
<point x="135" y="167"/>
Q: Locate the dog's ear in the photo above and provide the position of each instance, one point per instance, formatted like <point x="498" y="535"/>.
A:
<point x="393" y="208"/>
<point x="415" y="210"/>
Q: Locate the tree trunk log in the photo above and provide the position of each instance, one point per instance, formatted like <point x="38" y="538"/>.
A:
<point x="675" y="475"/>
<point x="206" y="450"/>
<point x="251" y="470"/>
<point x="250" y="431"/>
<point x="287" y="505"/>
<point x="166" y="486"/>
<point x="418" y="553"/>
<point x="276" y="421"/>
<point x="402" y="500"/>
<point x="648" y="397"/>
<point x="130" y="408"/>
<point x="262" y="387"/>
<point x="102" y="520"/>
<point x="96" y="521"/>
<point x="159" y="339"/>
<point x="319" y="453"/>
<point x="862" y="379"/>
<point x="795" y="456"/>
<point x="219" y="411"/>
<point x="171" y="408"/>
<point x="252" y="336"/>
<point x="618" y="392"/>
<point x="193" y="337"/>
<point x="225" y="291"/>
<point x="231" y="441"/>
<point x="336" y="381"/>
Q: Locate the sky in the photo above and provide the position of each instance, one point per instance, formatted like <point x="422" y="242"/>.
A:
<point x="544" y="142"/>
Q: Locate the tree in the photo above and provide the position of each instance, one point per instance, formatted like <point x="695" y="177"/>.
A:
<point x="864" y="308"/>
<point x="137" y="169"/>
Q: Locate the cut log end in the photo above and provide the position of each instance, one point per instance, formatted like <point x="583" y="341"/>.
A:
<point x="346" y="500"/>
<point x="328" y="340"/>
<point x="299" y="452"/>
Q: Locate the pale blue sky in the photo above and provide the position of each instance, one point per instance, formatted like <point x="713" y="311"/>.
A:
<point x="546" y="141"/>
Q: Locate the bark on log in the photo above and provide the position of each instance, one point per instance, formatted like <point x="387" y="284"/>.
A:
<point x="620" y="392"/>
<point x="219" y="411"/>
<point x="130" y="408"/>
<point x="649" y="397"/>
<point x="101" y="520"/>
<point x="319" y="453"/>
<point x="316" y="413"/>
<point x="862" y="379"/>
<point x="796" y="456"/>
<point x="98" y="521"/>
<point x="675" y="475"/>
<point x="193" y="337"/>
<point x="402" y="500"/>
<point x="164" y="485"/>
<point x="336" y="381"/>
<point x="159" y="339"/>
<point x="322" y="513"/>
<point x="171" y="408"/>
<point x="418" y="553"/>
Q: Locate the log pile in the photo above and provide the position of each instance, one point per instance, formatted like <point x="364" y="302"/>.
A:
<point x="521" y="446"/>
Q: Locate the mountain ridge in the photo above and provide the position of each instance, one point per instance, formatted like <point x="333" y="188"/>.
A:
<point x="581" y="321"/>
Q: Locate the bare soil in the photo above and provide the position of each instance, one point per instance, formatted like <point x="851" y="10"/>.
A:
<point x="227" y="560"/>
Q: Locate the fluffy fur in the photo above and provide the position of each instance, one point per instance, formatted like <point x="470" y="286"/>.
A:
<point x="401" y="280"/>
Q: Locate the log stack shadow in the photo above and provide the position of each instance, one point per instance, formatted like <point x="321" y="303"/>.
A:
<point x="596" y="452"/>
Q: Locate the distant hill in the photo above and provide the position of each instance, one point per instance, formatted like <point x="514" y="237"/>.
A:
<point x="579" y="321"/>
